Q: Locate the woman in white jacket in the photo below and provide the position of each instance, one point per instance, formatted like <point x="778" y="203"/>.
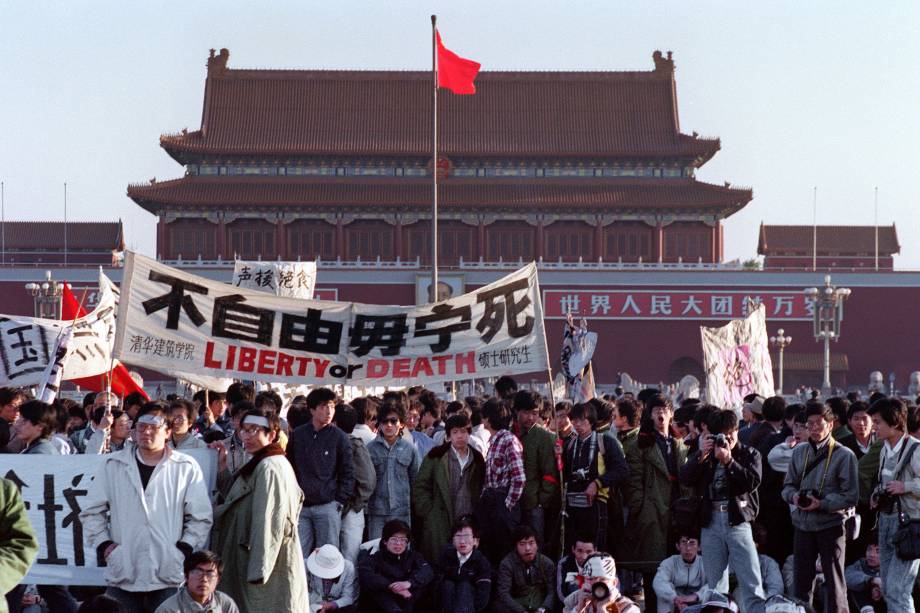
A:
<point x="146" y="509"/>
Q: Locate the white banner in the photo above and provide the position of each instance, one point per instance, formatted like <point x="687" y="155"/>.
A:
<point x="291" y="279"/>
<point x="53" y="488"/>
<point x="27" y="344"/>
<point x="737" y="360"/>
<point x="172" y="320"/>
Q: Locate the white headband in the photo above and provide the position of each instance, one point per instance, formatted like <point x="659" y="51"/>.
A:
<point x="256" y="420"/>
<point x="154" y="420"/>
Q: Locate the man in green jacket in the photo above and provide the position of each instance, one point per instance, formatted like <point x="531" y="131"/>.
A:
<point x="447" y="487"/>
<point x="542" y="498"/>
<point x="18" y="545"/>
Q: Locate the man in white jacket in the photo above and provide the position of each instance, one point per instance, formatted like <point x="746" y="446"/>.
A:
<point x="681" y="578"/>
<point x="146" y="510"/>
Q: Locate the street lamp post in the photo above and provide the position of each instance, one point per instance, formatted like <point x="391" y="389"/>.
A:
<point x="780" y="342"/>
<point x="47" y="297"/>
<point x="828" y="314"/>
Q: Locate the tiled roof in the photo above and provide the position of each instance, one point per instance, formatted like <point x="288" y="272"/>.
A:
<point x="811" y="362"/>
<point x="842" y="240"/>
<point x="49" y="235"/>
<point x="531" y="194"/>
<point x="347" y="112"/>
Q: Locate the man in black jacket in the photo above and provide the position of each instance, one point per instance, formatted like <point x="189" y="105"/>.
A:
<point x="726" y="475"/>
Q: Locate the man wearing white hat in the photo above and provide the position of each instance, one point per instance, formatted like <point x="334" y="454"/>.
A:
<point x="333" y="583"/>
<point x="599" y="591"/>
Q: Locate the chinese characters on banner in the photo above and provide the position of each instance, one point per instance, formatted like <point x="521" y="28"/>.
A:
<point x="169" y="319"/>
<point x="27" y="344"/>
<point x="737" y="361"/>
<point x="676" y="304"/>
<point x="53" y="490"/>
<point x="291" y="279"/>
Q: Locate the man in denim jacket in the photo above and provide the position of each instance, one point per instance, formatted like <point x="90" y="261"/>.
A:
<point x="396" y="463"/>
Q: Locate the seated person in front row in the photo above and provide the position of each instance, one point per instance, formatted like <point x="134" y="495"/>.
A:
<point x="525" y="577"/>
<point x="599" y="591"/>
<point x="393" y="578"/>
<point x="571" y="566"/>
<point x="864" y="581"/>
<point x="681" y="578"/>
<point x="464" y="572"/>
<point x="202" y="572"/>
<point x="332" y="580"/>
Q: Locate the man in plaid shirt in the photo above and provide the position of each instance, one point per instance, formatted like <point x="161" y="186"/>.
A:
<point x="499" y="510"/>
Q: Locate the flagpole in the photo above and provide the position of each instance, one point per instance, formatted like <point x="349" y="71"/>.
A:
<point x="814" y="231"/>
<point x="434" y="159"/>
<point x="876" y="229"/>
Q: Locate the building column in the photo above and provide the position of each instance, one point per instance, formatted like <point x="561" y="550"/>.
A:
<point x="720" y="253"/>
<point x="538" y="252"/>
<point x="221" y="237"/>
<point x="714" y="243"/>
<point x="659" y="242"/>
<point x="398" y="243"/>
<point x="161" y="238"/>
<point x="483" y="250"/>
<point x="281" y="240"/>
<point x="340" y="238"/>
<point x="598" y="239"/>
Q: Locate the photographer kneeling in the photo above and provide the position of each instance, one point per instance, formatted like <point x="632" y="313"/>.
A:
<point x="726" y="474"/>
<point x="821" y="484"/>
<point x="898" y="489"/>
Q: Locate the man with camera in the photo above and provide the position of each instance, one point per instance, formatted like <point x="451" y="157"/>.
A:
<point x="898" y="490"/>
<point x="821" y="484"/>
<point x="599" y="591"/>
<point x="726" y="474"/>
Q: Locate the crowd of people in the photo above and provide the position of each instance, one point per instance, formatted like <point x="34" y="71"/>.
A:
<point x="505" y="503"/>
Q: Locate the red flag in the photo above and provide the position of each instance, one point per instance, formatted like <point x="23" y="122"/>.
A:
<point x="122" y="383"/>
<point x="454" y="72"/>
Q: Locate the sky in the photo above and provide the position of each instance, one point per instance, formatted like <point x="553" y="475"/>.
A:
<point x="803" y="95"/>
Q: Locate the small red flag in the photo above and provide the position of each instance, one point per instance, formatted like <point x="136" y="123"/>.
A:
<point x="122" y="383"/>
<point x="454" y="72"/>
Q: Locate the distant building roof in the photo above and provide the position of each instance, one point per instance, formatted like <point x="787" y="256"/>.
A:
<point x="388" y="113"/>
<point x="832" y="240"/>
<point x="619" y="194"/>
<point x="50" y="235"/>
<point x="811" y="362"/>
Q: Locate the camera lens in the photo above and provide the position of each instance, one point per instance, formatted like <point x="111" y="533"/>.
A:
<point x="600" y="591"/>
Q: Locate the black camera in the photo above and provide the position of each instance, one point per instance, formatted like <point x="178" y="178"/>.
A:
<point x="600" y="591"/>
<point x="719" y="440"/>
<point x="806" y="497"/>
<point x="884" y="500"/>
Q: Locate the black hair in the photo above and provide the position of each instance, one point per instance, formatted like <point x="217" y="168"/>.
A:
<point x="457" y="421"/>
<point x="462" y="523"/>
<point x="839" y="406"/>
<point x="345" y="418"/>
<point x="393" y="527"/>
<point x="238" y="408"/>
<point x="88" y="400"/>
<point x="390" y="408"/>
<point x="584" y="410"/>
<point x="603" y="410"/>
<point x="792" y="410"/>
<point x="875" y="396"/>
<point x="365" y="409"/>
<point x="527" y="400"/>
<point x="892" y="411"/>
<point x="628" y="410"/>
<point x="856" y="407"/>
<point x="498" y="412"/>
<point x="722" y="421"/>
<point x="523" y="532"/>
<point x="319" y="396"/>
<point x="9" y="394"/>
<point x="269" y="397"/>
<point x="505" y="387"/>
<point x="202" y="556"/>
<point x="40" y="414"/>
<point x="134" y="399"/>
<point x="644" y="395"/>
<point x="774" y="408"/>
<point x="240" y="391"/>
<point x="814" y="407"/>
<point x="563" y="406"/>
<point x="187" y="406"/>
<point x="101" y="603"/>
<point x="156" y="407"/>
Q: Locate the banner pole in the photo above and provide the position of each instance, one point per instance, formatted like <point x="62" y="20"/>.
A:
<point x="434" y="160"/>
